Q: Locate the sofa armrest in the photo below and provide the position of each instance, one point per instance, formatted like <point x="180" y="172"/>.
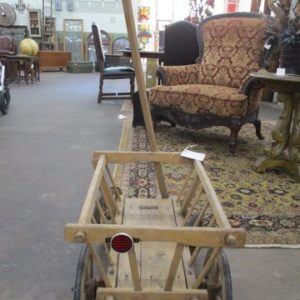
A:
<point x="251" y="83"/>
<point x="177" y="75"/>
<point x="253" y="88"/>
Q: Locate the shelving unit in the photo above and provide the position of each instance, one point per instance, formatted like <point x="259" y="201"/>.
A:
<point x="49" y="34"/>
<point x="34" y="23"/>
<point x="49" y="37"/>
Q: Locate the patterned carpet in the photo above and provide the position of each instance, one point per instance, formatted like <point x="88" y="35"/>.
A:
<point x="266" y="205"/>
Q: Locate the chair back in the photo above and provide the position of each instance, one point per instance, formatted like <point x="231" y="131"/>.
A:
<point x="98" y="47"/>
<point x="120" y="43"/>
<point x="232" y="46"/>
<point x="180" y="45"/>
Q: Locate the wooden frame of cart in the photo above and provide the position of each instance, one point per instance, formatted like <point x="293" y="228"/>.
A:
<point x="152" y="248"/>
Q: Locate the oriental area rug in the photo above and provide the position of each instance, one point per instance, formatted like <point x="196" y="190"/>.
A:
<point x="266" y="205"/>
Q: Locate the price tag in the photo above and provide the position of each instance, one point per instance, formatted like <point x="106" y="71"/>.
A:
<point x="193" y="155"/>
<point x="280" y="71"/>
<point x="267" y="45"/>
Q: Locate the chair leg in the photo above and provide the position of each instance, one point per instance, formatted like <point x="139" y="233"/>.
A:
<point x="257" y="124"/>
<point x="234" y="131"/>
<point x="100" y="90"/>
<point x="131" y="86"/>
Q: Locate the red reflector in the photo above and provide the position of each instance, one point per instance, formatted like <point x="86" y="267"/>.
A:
<point x="121" y="242"/>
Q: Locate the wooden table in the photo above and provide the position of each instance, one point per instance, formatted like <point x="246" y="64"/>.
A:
<point x="285" y="150"/>
<point x="159" y="55"/>
<point x="23" y="67"/>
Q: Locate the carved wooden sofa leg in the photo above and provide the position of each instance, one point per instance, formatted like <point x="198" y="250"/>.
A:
<point x="257" y="124"/>
<point x="235" y="127"/>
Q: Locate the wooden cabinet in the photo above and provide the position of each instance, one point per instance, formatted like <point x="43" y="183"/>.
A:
<point x="53" y="59"/>
<point x="49" y="34"/>
<point x="34" y="22"/>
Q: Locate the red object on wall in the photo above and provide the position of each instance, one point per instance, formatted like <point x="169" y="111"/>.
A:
<point x="232" y="5"/>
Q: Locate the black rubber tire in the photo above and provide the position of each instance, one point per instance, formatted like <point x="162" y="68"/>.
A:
<point x="4" y="102"/>
<point x="218" y="280"/>
<point x="220" y="271"/>
<point x="79" y="278"/>
<point x="93" y="278"/>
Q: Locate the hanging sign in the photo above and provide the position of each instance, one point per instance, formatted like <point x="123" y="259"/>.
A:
<point x="232" y="5"/>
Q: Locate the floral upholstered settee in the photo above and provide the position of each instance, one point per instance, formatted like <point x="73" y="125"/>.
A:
<point x="216" y="91"/>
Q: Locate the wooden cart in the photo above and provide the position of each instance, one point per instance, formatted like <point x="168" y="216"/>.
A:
<point x="169" y="248"/>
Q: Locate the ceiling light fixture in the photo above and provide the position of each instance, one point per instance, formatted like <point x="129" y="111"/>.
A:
<point x="21" y="6"/>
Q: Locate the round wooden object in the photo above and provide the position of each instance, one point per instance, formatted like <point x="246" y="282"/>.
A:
<point x="7" y="15"/>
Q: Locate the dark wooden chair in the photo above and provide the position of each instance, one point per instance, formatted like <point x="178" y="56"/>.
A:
<point x="180" y="45"/>
<point x="110" y="69"/>
<point x="217" y="90"/>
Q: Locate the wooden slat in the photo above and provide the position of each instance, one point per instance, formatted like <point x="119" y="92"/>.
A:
<point x="212" y="197"/>
<point x="123" y="157"/>
<point x="155" y="257"/>
<point x="206" y="267"/>
<point x="174" y="267"/>
<point x="194" y="236"/>
<point x="89" y="202"/>
<point x="107" y="200"/>
<point x="201" y="215"/>
<point x="106" y="192"/>
<point x="136" y="59"/>
<point x="124" y="278"/>
<point x="136" y="279"/>
<point x="101" y="213"/>
<point x="189" y="196"/>
<point x="192" y="207"/>
<point x="100" y="266"/>
<point x="126" y="294"/>
<point x="115" y="188"/>
<point x="189" y="272"/>
<point x="198" y="248"/>
<point x="184" y="186"/>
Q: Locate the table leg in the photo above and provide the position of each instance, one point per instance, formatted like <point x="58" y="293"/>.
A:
<point x="284" y="139"/>
<point x="294" y="145"/>
<point x="281" y="131"/>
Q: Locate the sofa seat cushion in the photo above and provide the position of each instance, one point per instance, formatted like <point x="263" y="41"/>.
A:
<point x="201" y="98"/>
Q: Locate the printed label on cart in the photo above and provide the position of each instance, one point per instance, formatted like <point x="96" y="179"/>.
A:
<point x="193" y="155"/>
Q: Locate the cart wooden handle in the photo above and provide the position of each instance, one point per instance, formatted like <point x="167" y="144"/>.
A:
<point x="136" y="59"/>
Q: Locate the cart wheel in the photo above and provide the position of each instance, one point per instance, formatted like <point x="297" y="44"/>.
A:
<point x="85" y="284"/>
<point x="4" y="102"/>
<point x="87" y="278"/>
<point x="218" y="280"/>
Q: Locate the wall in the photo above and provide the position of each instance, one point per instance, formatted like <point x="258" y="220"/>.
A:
<point x="107" y="16"/>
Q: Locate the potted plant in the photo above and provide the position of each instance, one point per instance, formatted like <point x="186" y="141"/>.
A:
<point x="286" y="32"/>
<point x="199" y="10"/>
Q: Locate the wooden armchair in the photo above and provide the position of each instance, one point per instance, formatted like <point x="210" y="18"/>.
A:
<point x="110" y="69"/>
<point x="217" y="91"/>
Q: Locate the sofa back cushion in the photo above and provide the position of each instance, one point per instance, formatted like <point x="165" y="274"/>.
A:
<point x="232" y="48"/>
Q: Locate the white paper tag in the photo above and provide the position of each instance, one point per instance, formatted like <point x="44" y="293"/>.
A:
<point x="193" y="155"/>
<point x="267" y="45"/>
<point x="280" y="71"/>
<point x="121" y="117"/>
